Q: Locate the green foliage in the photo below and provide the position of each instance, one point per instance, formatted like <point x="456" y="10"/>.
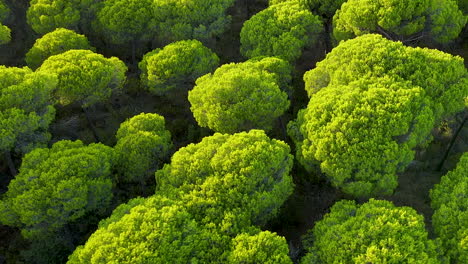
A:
<point x="244" y="173"/>
<point x="242" y="96"/>
<point x="372" y="102"/>
<point x="123" y="21"/>
<point x="264" y="247"/>
<point x="143" y="143"/>
<point x="47" y="15"/>
<point x="449" y="199"/>
<point x="53" y="43"/>
<point x="374" y="232"/>
<point x="325" y="8"/>
<point x="57" y="186"/>
<point x="363" y="133"/>
<point x="190" y="19"/>
<point x="399" y="20"/>
<point x="463" y="6"/>
<point x="5" y="34"/>
<point x="84" y="76"/>
<point x="443" y="76"/>
<point x="281" y="30"/>
<point x="4" y="11"/>
<point x="176" y="64"/>
<point x="25" y="108"/>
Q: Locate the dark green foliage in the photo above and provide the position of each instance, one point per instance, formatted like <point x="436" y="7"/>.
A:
<point x="374" y="232"/>
<point x="84" y="76"/>
<point x="177" y="64"/>
<point x="25" y="108"/>
<point x="281" y="30"/>
<point x="449" y="199"/>
<point x="5" y="35"/>
<point x="124" y="21"/>
<point x="143" y="143"/>
<point x="57" y="186"/>
<point x="242" y="96"/>
<point x="399" y="20"/>
<point x="53" y="43"/>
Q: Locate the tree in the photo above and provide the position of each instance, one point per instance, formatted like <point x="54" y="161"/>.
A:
<point x="265" y="247"/>
<point x="324" y="8"/>
<point x="374" y="232"/>
<point x="84" y="76"/>
<point x="5" y="32"/>
<point x="46" y="15"/>
<point x="25" y="110"/>
<point x="449" y="199"/>
<point x="177" y="64"/>
<point x="282" y="30"/>
<point x="245" y="175"/>
<point x="160" y="230"/>
<point x="54" y="43"/>
<point x="363" y="133"/>
<point x="192" y="19"/>
<point x="57" y="186"/>
<point x="463" y="6"/>
<point x="441" y="75"/>
<point x="240" y="96"/>
<point x="126" y="21"/>
<point x="399" y="20"/>
<point x="143" y="143"/>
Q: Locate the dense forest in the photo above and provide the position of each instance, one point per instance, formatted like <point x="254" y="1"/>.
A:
<point x="233" y="131"/>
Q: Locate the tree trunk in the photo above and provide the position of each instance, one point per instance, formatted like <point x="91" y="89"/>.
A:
<point x="452" y="142"/>
<point x="91" y="125"/>
<point x="10" y="163"/>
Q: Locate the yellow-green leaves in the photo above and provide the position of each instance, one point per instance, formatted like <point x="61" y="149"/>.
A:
<point x="47" y="15"/>
<point x="5" y="32"/>
<point x="58" y="185"/>
<point x="374" y="232"/>
<point x="177" y="64"/>
<point x="449" y="199"/>
<point x="281" y="30"/>
<point x="240" y="97"/>
<point x="142" y="144"/>
<point x="399" y="20"/>
<point x="84" y="76"/>
<point x="53" y="43"/>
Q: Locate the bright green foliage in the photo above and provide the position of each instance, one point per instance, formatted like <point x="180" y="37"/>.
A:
<point x="264" y="247"/>
<point x="142" y="144"/>
<point x="399" y="20"/>
<point x="450" y="219"/>
<point x="363" y="133"/>
<point x="123" y="21"/>
<point x="160" y="230"/>
<point x="190" y="19"/>
<point x="25" y="108"/>
<point x="176" y="64"/>
<point x="245" y="173"/>
<point x="374" y="232"/>
<point x="53" y="43"/>
<point x="325" y="8"/>
<point x="57" y="186"/>
<point x="281" y="30"/>
<point x="443" y="76"/>
<point x="242" y="96"/>
<point x="84" y="76"/>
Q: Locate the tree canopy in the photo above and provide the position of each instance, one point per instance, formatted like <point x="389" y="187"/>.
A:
<point x="84" y="76"/>
<point x="53" y="43"/>
<point x="46" y="15"/>
<point x="282" y="30"/>
<point x="25" y="108"/>
<point x="368" y="110"/>
<point x="325" y="8"/>
<point x="5" y="32"/>
<point x="241" y="96"/>
<point x="57" y="186"/>
<point x="399" y="20"/>
<point x="177" y="64"/>
<point x="143" y="143"/>
<point x="374" y="232"/>
<point x="245" y="171"/>
<point x="449" y="199"/>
